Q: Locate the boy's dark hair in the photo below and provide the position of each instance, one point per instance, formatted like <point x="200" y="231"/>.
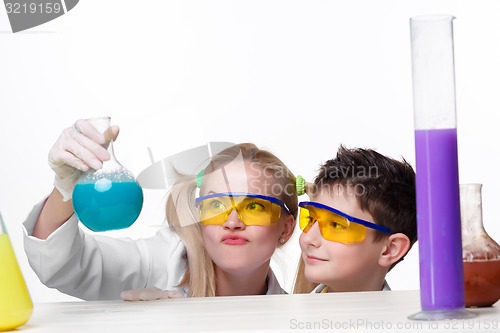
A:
<point x="384" y="187"/>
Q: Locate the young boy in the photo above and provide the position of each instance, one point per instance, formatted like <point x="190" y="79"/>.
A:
<point x="360" y="222"/>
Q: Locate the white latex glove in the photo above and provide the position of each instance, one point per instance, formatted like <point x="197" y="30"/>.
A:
<point x="77" y="149"/>
<point x="149" y="294"/>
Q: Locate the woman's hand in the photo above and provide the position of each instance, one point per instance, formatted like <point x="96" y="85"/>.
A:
<point x="78" y="148"/>
<point x="149" y="294"/>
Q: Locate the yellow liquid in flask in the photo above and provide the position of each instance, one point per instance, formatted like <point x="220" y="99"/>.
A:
<point x="15" y="301"/>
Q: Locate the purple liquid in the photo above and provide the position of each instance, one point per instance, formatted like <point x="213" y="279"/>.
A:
<point x="438" y="220"/>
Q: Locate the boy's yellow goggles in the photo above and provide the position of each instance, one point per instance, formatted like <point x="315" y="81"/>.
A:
<point x="335" y="225"/>
<point x="252" y="209"/>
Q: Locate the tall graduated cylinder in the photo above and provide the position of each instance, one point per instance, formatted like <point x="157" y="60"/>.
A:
<point x="437" y="183"/>
<point x="15" y="301"/>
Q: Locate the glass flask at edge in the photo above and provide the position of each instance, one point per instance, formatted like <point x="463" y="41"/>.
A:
<point x="109" y="198"/>
<point x="481" y="254"/>
<point x="16" y="306"/>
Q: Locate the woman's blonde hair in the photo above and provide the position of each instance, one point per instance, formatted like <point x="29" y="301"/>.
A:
<point x="302" y="285"/>
<point x="182" y="216"/>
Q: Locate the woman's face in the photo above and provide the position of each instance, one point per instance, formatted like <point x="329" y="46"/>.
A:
<point x="234" y="247"/>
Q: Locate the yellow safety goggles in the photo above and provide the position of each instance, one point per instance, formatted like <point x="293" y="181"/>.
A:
<point x="335" y="225"/>
<point x="252" y="209"/>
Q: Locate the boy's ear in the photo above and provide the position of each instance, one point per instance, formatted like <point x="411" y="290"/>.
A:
<point x="396" y="246"/>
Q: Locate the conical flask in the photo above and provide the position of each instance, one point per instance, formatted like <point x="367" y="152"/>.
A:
<point x="109" y="198"/>
<point x="15" y="301"/>
<point x="481" y="254"/>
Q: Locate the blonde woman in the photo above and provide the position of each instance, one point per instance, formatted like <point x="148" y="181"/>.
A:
<point x="219" y="241"/>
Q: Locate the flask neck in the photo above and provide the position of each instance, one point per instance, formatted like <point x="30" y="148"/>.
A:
<point x="111" y="165"/>
<point x="102" y="124"/>
<point x="111" y="152"/>
<point x="477" y="245"/>
<point x="471" y="210"/>
<point x="3" y="230"/>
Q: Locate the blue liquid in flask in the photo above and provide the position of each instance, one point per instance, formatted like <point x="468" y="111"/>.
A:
<point x="108" y="198"/>
<point x="107" y="204"/>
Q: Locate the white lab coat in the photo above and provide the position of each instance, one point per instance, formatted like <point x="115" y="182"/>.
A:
<point x="94" y="267"/>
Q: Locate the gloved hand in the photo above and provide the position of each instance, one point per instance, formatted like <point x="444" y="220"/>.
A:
<point x="149" y="294"/>
<point x="77" y="149"/>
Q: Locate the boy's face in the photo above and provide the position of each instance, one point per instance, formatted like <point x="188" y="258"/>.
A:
<point x="342" y="267"/>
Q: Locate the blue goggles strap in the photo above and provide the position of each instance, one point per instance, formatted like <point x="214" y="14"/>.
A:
<point x="248" y="195"/>
<point x="350" y="218"/>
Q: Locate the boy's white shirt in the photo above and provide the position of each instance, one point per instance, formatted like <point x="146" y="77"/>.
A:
<point x="95" y="267"/>
<point x="319" y="288"/>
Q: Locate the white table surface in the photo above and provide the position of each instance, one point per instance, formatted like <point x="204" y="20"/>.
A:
<point x="340" y="312"/>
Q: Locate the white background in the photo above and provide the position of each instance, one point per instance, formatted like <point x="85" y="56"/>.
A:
<point x="296" y="77"/>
